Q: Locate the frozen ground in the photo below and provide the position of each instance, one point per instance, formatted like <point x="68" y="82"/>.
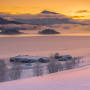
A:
<point x="44" y="45"/>
<point x="77" y="79"/>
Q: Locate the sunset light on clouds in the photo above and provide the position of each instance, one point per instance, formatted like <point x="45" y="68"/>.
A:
<point x="44" y="44"/>
<point x="74" y="8"/>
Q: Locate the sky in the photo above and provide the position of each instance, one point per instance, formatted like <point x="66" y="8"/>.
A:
<point x="79" y="9"/>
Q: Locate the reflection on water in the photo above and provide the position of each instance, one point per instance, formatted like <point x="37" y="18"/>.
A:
<point x="16" y="71"/>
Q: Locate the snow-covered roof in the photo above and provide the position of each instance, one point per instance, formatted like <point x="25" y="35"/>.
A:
<point x="28" y="57"/>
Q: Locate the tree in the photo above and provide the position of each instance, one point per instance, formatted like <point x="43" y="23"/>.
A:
<point x="3" y="71"/>
<point x="53" y="66"/>
<point x="37" y="69"/>
<point x="15" y="72"/>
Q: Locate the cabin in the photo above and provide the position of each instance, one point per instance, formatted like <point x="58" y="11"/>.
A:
<point x="57" y="56"/>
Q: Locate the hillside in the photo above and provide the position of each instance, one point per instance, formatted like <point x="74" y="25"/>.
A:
<point x="78" y="79"/>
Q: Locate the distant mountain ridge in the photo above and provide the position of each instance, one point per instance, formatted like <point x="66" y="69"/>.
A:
<point x="50" y="21"/>
<point x="44" y="18"/>
<point x="5" y="21"/>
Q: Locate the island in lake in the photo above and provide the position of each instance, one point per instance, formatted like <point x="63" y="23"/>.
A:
<point x="49" y="31"/>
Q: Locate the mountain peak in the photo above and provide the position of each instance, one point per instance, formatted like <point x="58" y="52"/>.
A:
<point x="48" y="12"/>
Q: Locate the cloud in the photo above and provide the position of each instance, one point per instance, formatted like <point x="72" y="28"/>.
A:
<point x="83" y="11"/>
<point x="78" y="17"/>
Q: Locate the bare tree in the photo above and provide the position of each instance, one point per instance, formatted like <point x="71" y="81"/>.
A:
<point x="53" y="66"/>
<point x="37" y="69"/>
<point x="3" y="71"/>
<point x="15" y="72"/>
<point x="69" y="64"/>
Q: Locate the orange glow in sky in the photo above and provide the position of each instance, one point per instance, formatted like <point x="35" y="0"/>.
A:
<point x="67" y="7"/>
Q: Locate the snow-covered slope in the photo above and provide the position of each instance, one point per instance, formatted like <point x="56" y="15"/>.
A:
<point x="77" y="79"/>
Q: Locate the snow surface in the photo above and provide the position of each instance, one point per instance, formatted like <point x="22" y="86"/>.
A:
<point x="77" y="79"/>
<point x="44" y="46"/>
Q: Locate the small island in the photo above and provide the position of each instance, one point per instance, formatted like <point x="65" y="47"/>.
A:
<point x="10" y="31"/>
<point x="49" y="31"/>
